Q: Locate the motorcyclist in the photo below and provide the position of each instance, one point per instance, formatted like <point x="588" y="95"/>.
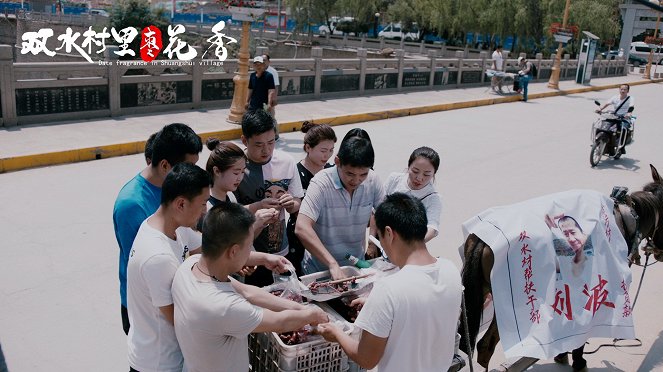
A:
<point x="623" y="105"/>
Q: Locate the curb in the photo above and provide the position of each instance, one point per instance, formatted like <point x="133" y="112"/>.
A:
<point x="12" y="164"/>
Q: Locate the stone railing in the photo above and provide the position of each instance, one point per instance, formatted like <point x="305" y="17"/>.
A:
<point x="45" y="92"/>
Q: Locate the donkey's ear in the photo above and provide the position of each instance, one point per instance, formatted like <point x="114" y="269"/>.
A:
<point x="654" y="174"/>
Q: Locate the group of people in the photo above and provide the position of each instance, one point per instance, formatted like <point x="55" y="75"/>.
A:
<point x="525" y="73"/>
<point x="196" y="244"/>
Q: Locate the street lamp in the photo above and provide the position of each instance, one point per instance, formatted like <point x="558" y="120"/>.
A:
<point x="554" y="75"/>
<point x="375" y="24"/>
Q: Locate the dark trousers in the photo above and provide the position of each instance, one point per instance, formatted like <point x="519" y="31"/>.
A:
<point x="296" y="248"/>
<point x="131" y="369"/>
<point x="125" y="319"/>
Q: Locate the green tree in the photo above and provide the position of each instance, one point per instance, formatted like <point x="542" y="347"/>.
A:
<point x="137" y="14"/>
<point x="306" y="12"/>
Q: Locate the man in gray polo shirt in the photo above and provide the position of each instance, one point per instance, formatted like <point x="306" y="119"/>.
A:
<point x="337" y="209"/>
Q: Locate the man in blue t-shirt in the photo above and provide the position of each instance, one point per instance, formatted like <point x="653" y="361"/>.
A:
<point x="140" y="197"/>
<point x="261" y="86"/>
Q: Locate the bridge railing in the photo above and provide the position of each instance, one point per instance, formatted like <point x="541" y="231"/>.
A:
<point x="45" y="91"/>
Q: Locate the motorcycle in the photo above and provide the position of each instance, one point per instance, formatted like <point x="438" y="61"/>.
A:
<point x="610" y="135"/>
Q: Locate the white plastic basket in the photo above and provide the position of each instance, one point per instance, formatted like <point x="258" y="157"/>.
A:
<point x="268" y="353"/>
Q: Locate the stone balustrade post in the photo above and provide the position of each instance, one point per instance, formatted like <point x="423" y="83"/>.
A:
<point x="422" y="47"/>
<point x="565" y="61"/>
<point x="539" y="58"/>
<point x="8" y="86"/>
<point x="381" y="42"/>
<point x="316" y="54"/>
<point x="362" y="53"/>
<point x="483" y="55"/>
<point x="197" y="78"/>
<point x="114" y="78"/>
<point x="400" y="55"/>
<point x="460" y="54"/>
<point x="432" y="54"/>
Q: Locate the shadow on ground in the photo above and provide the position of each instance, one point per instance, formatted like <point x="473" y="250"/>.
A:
<point x="654" y="359"/>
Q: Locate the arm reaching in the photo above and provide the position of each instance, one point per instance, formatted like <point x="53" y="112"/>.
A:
<point x="290" y="320"/>
<point x="311" y="241"/>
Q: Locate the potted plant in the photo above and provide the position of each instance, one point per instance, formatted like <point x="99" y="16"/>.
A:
<point x="245" y="10"/>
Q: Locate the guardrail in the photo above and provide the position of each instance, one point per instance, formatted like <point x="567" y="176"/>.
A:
<point x="44" y="92"/>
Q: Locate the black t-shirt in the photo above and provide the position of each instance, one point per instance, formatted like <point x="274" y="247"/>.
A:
<point x="305" y="175"/>
<point x="260" y="86"/>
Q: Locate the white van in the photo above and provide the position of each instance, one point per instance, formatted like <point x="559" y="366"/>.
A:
<point x="395" y="31"/>
<point x="641" y="49"/>
<point x="325" y="30"/>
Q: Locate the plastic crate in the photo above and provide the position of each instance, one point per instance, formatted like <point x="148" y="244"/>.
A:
<point x="268" y="353"/>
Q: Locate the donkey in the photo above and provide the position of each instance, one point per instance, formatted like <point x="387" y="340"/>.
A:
<point x="638" y="216"/>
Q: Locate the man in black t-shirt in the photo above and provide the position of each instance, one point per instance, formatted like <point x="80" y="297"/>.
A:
<point x="261" y="86"/>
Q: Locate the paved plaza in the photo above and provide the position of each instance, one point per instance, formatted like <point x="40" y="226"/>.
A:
<point x="59" y="300"/>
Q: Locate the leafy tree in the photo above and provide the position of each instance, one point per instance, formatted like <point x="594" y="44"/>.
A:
<point x="137" y="14"/>
<point x="312" y="11"/>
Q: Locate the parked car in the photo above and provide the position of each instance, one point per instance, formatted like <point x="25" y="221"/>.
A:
<point x="642" y="50"/>
<point x="632" y="58"/>
<point x="338" y="26"/>
<point x="395" y="31"/>
<point x="99" y="12"/>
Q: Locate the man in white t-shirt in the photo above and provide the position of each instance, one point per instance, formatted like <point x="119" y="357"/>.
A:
<point x="275" y="75"/>
<point x="272" y="182"/>
<point x="498" y="66"/>
<point x="214" y="314"/>
<point x="622" y="105"/>
<point x="404" y="329"/>
<point x="162" y="243"/>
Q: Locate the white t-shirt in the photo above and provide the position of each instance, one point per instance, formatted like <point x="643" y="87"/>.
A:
<point x="212" y="322"/>
<point x="153" y="261"/>
<point x="499" y="60"/>
<point x="275" y="74"/>
<point x="616" y="101"/>
<point x="421" y="324"/>
<point x="397" y="182"/>
<point x="272" y="179"/>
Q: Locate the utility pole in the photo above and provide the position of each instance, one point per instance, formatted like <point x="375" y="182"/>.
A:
<point x="554" y="75"/>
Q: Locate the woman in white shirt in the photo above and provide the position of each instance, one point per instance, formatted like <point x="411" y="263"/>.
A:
<point x="418" y="182"/>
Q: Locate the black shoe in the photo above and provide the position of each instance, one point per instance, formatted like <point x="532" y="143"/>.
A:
<point x="623" y="150"/>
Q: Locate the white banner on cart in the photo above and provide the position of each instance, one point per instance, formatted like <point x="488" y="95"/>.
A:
<point x="560" y="273"/>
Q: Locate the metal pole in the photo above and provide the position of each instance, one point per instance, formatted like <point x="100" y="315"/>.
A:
<point x="554" y="75"/>
<point x="278" y="19"/>
<point x="172" y="10"/>
<point x="651" y="50"/>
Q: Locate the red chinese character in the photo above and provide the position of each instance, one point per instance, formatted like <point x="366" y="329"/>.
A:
<point x="534" y="316"/>
<point x="527" y="274"/>
<point x="527" y="261"/>
<point x="564" y="303"/>
<point x="529" y="287"/>
<point x="523" y="236"/>
<point x="150" y="43"/>
<point x="597" y="297"/>
<point x="524" y="250"/>
<point x="530" y="300"/>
